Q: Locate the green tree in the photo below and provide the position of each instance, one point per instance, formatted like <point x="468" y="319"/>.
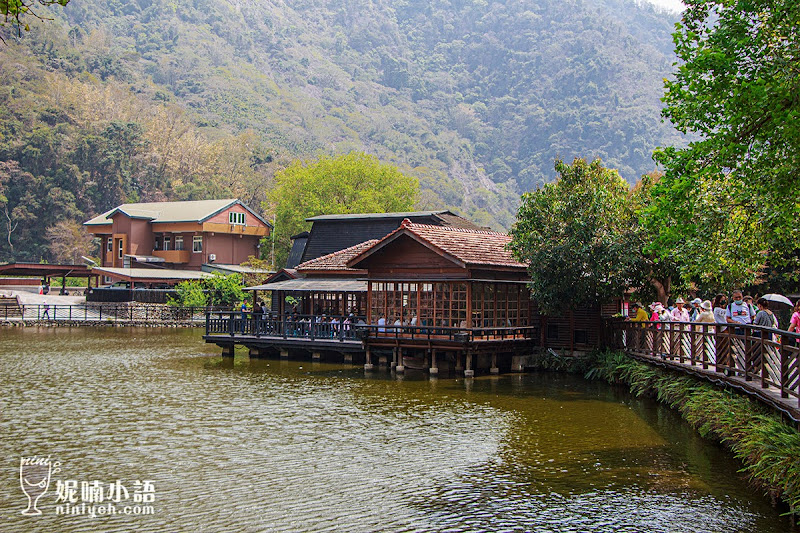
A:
<point x="15" y="11"/>
<point x="351" y="183"/>
<point x="189" y="294"/>
<point x="728" y="204"/>
<point x="224" y="290"/>
<point x="576" y="235"/>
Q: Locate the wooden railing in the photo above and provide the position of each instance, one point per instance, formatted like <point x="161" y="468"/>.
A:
<point x="310" y="327"/>
<point x="323" y="327"/>
<point x="767" y="356"/>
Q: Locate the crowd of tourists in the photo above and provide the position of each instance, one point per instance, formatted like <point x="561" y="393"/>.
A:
<point x="739" y="309"/>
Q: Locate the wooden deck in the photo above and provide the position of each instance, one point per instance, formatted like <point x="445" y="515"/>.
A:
<point x="762" y="362"/>
<point x="314" y="334"/>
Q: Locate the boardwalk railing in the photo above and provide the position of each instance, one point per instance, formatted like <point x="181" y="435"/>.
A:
<point x="104" y="313"/>
<point x="310" y="327"/>
<point x="313" y="327"/>
<point x="766" y="356"/>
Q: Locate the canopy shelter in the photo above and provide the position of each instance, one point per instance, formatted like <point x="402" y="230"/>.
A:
<point x="46" y="271"/>
<point x="150" y="276"/>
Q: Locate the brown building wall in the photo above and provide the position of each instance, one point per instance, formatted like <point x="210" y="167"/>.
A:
<point x="229" y="249"/>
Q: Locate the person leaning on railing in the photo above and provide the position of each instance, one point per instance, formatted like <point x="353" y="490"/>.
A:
<point x="640" y="315"/>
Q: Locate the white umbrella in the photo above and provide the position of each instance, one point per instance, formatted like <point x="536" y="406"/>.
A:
<point x="778" y="298"/>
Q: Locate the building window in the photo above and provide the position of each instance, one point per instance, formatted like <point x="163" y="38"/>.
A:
<point x="119" y="249"/>
<point x="236" y="218"/>
<point x="110" y="245"/>
<point x="106" y="280"/>
<point x="179" y="242"/>
<point x="167" y="242"/>
<point x="197" y="244"/>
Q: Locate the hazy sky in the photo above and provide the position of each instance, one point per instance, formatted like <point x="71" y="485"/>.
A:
<point x="673" y="5"/>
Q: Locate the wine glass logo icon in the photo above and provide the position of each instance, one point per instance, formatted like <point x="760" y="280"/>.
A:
<point x="34" y="478"/>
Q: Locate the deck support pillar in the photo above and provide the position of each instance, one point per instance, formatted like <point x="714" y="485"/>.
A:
<point x="459" y="363"/>
<point x="494" y="369"/>
<point x="394" y="358"/>
<point x="254" y="353"/>
<point x="348" y="358"/>
<point x="284" y="353"/>
<point x="227" y="350"/>
<point x="368" y="365"/>
<point x="468" y="373"/>
<point x="400" y="367"/>
<point x="316" y="356"/>
<point x="434" y="369"/>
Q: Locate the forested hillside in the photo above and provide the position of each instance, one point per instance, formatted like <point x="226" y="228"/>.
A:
<point x="128" y="100"/>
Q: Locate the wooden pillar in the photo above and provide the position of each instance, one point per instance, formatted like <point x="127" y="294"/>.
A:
<point x="459" y="363"/>
<point x="494" y="369"/>
<point x="434" y="369"/>
<point x="400" y="367"/>
<point x="227" y="350"/>
<point x="394" y="358"/>
<point x="368" y="365"/>
<point x="468" y="373"/>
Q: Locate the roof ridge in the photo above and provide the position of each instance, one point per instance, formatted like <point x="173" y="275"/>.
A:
<point x="453" y="228"/>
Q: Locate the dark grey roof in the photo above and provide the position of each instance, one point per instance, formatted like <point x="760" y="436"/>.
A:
<point x="357" y="216"/>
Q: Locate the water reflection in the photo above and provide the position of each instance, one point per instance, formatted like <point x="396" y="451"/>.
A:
<point x="269" y="445"/>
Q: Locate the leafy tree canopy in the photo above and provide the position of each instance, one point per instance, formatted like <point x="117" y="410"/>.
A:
<point x="351" y="183"/>
<point x="576" y="235"/>
<point x="728" y="204"/>
<point x="13" y="12"/>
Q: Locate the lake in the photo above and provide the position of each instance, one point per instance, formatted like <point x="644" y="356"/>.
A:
<point x="151" y="420"/>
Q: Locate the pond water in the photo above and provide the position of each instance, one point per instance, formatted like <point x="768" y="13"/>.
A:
<point x="276" y="445"/>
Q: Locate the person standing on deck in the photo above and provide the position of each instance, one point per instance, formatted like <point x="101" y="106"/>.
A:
<point x="720" y="302"/>
<point x="382" y="324"/>
<point x="696" y="309"/>
<point x="794" y="322"/>
<point x="739" y="312"/>
<point x="679" y="314"/>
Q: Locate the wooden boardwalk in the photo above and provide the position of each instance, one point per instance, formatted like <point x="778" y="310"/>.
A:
<point x="762" y="362"/>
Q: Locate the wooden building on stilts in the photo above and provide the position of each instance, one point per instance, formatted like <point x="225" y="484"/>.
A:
<point x="432" y="297"/>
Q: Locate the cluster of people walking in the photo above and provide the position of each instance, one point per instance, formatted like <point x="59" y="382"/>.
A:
<point x="738" y="310"/>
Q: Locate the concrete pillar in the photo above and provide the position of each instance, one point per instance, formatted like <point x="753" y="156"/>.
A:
<point x="368" y="364"/>
<point x="494" y="369"/>
<point x="394" y="358"/>
<point x="400" y="367"/>
<point x="468" y="373"/>
<point x="434" y="369"/>
<point x="316" y="356"/>
<point x="227" y="350"/>
<point x="284" y="353"/>
<point x="459" y="362"/>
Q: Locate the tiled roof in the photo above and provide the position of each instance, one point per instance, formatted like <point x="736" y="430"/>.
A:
<point x="336" y="260"/>
<point x="472" y="247"/>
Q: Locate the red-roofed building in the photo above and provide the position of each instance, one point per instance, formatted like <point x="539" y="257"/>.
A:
<point x="431" y="296"/>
